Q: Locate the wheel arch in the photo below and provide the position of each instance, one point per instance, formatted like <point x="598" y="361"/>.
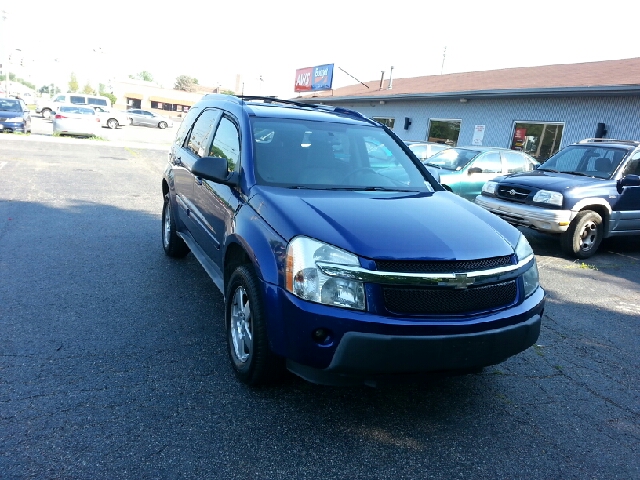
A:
<point x="598" y="205"/>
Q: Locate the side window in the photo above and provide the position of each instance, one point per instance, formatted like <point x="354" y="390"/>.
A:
<point x="489" y="163"/>
<point x="59" y="98"/>
<point x="77" y="99"/>
<point x="515" y="162"/>
<point x="226" y="144"/>
<point x="185" y="126"/>
<point x="633" y="166"/>
<point x="201" y="131"/>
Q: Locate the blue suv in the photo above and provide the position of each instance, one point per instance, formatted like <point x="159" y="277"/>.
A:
<point x="586" y="192"/>
<point x="336" y="263"/>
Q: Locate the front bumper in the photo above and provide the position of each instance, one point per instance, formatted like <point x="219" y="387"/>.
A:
<point x="543" y="219"/>
<point x="365" y="346"/>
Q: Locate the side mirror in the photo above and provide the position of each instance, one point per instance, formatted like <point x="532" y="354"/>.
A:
<point x="474" y="170"/>
<point x="214" y="169"/>
<point x="628" y="181"/>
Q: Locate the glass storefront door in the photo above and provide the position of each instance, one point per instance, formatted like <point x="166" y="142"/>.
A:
<point x="540" y="140"/>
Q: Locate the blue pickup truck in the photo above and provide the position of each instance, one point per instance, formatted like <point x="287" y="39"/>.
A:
<point x="586" y="192"/>
<point x="335" y="263"/>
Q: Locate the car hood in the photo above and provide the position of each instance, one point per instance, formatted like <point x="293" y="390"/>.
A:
<point x="548" y="180"/>
<point x="387" y="225"/>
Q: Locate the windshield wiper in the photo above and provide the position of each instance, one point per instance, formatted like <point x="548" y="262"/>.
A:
<point x="548" y="170"/>
<point x="433" y="165"/>
<point x="577" y="173"/>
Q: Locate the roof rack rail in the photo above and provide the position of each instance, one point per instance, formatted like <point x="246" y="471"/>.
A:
<point x="609" y="140"/>
<point x="313" y="106"/>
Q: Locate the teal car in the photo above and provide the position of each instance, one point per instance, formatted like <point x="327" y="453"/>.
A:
<point x="464" y="170"/>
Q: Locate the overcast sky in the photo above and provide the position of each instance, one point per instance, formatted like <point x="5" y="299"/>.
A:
<point x="214" y="41"/>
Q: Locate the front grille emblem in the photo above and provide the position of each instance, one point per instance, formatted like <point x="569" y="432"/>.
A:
<point x="462" y="281"/>
<point x="512" y="192"/>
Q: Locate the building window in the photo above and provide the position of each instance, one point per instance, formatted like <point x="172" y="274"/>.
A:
<point x="133" y="103"/>
<point x="444" y="131"/>
<point x="389" y="122"/>
<point x="540" y="140"/>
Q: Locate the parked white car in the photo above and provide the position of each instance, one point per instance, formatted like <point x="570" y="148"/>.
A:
<point x="76" y="120"/>
<point x="111" y="118"/>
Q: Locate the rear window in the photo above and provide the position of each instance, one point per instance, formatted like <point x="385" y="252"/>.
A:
<point x="81" y="110"/>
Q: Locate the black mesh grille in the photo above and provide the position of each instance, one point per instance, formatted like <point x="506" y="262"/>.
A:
<point x="514" y="194"/>
<point x="452" y="266"/>
<point x="444" y="301"/>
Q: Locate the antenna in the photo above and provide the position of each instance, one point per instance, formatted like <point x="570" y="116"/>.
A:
<point x="390" y="79"/>
<point x="444" y="54"/>
<point x="353" y="77"/>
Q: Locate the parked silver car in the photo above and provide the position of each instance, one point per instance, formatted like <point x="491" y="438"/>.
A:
<point x="144" y="117"/>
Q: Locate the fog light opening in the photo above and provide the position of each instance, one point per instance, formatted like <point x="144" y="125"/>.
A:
<point x="322" y="336"/>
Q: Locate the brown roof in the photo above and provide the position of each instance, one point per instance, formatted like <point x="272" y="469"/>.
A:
<point x="578" y="75"/>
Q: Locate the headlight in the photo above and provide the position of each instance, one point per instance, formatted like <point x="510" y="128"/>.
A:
<point x="490" y="188"/>
<point x="531" y="280"/>
<point x="305" y="280"/>
<point x="530" y="277"/>
<point x="523" y="249"/>
<point x="14" y="119"/>
<point x="545" y="196"/>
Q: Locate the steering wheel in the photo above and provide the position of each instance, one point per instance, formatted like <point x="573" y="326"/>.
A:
<point x="357" y="171"/>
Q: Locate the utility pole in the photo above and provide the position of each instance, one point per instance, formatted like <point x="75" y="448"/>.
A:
<point x="444" y="54"/>
<point x="5" y="63"/>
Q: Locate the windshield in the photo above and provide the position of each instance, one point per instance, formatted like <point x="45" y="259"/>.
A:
<point x="323" y="155"/>
<point x="590" y="160"/>
<point x="453" y="158"/>
<point x="9" y="105"/>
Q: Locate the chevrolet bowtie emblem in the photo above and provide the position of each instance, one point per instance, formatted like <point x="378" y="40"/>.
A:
<point x="462" y="281"/>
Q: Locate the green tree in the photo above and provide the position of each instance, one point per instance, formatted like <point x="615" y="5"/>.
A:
<point x="227" y="92"/>
<point x="73" y="83"/>
<point x="88" y="89"/>
<point x="186" y="83"/>
<point x="143" y="75"/>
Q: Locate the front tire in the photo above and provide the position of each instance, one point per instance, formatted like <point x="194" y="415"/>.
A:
<point x="583" y="237"/>
<point x="46" y="113"/>
<point x="173" y="245"/>
<point x="131" y="121"/>
<point x="248" y="345"/>
<point x="162" y="125"/>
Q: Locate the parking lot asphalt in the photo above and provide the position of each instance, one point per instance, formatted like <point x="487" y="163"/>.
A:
<point x="113" y="359"/>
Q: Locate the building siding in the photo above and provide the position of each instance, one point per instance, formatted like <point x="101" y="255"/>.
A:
<point x="580" y="116"/>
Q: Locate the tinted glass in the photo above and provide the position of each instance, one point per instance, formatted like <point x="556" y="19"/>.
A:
<point x="202" y="131"/>
<point x="9" y="105"/>
<point x="591" y="160"/>
<point x="319" y="155"/>
<point x="77" y="99"/>
<point x="97" y="101"/>
<point x="226" y="144"/>
<point x="59" y="98"/>
<point x="453" y="158"/>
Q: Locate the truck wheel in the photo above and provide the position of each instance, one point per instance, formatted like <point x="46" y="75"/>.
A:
<point x="46" y="113"/>
<point x="584" y="235"/>
<point x="248" y="345"/>
<point x="173" y="245"/>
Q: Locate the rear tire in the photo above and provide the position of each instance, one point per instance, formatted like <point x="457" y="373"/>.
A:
<point x="131" y="121"/>
<point x="173" y="245"/>
<point x="162" y="125"/>
<point x="248" y="344"/>
<point x="112" y="123"/>
<point x="584" y="235"/>
<point x="46" y="113"/>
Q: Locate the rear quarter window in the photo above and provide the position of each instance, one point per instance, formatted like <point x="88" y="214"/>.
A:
<point x="77" y="99"/>
<point x="97" y="101"/>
